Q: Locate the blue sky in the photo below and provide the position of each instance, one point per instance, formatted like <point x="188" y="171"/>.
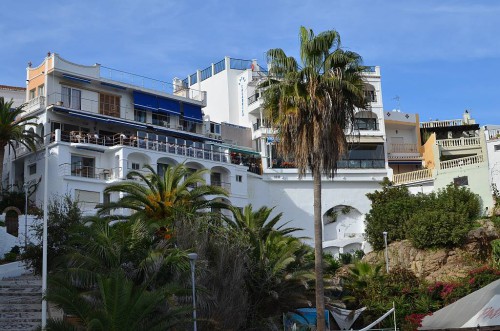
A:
<point x="439" y="57"/>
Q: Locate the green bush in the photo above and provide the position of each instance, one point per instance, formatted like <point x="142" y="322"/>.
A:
<point x="433" y="220"/>
<point x="10" y="257"/>
<point x="391" y="209"/>
<point x="435" y="228"/>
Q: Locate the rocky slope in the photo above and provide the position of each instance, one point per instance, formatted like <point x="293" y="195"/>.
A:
<point x="441" y="264"/>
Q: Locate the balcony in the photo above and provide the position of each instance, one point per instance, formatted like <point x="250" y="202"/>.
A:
<point x="78" y="170"/>
<point x="459" y="142"/>
<point x="412" y="177"/>
<point x="34" y="104"/>
<point x="253" y="98"/>
<point x="403" y="151"/>
<point x="224" y="185"/>
<point x="344" y="164"/>
<point x="441" y="124"/>
<point x="153" y="143"/>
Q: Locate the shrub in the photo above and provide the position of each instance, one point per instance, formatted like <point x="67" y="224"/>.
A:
<point x="391" y="209"/>
<point x="437" y="228"/>
<point x="64" y="218"/>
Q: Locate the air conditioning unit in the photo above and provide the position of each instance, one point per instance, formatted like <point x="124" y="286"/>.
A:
<point x="219" y="137"/>
<point x="210" y="135"/>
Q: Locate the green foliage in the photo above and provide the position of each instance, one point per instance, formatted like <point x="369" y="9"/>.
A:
<point x="436" y="228"/>
<point x="439" y="219"/>
<point x="63" y="226"/>
<point x="495" y="252"/>
<point x="391" y="209"/>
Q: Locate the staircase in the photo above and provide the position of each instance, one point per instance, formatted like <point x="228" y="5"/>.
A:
<point x="20" y="303"/>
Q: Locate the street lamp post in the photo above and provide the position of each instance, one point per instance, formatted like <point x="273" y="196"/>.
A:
<point x="386" y="252"/>
<point x="26" y="189"/>
<point x="192" y="260"/>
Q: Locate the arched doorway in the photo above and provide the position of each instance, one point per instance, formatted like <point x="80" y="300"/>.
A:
<point x="12" y="220"/>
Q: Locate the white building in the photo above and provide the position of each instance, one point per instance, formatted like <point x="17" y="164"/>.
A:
<point x="14" y="93"/>
<point x="449" y="152"/>
<point x="101" y="124"/>
<point x="234" y="96"/>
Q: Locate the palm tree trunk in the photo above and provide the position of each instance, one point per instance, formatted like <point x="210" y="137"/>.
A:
<point x="2" y="154"/>
<point x="318" y="251"/>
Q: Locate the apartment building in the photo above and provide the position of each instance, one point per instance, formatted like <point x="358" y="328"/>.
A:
<point x="101" y="123"/>
<point x="234" y="96"/>
<point x="450" y="152"/>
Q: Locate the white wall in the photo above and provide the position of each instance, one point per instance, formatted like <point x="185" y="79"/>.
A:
<point x="18" y="96"/>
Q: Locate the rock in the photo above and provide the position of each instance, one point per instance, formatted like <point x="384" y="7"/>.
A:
<point x="440" y="264"/>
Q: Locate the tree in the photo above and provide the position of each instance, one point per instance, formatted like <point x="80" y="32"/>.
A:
<point x="311" y="105"/>
<point x="13" y="129"/>
<point x="278" y="269"/>
<point x="155" y="199"/>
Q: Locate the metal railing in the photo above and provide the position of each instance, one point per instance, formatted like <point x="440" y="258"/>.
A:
<point x="459" y="142"/>
<point x="224" y="185"/>
<point x="150" y="83"/>
<point x="441" y="124"/>
<point x="78" y="170"/>
<point x="460" y="162"/>
<point x="240" y="64"/>
<point x="412" y="176"/>
<point x="403" y="148"/>
<point x="344" y="164"/>
<point x="206" y="73"/>
<point x="253" y="98"/>
<point x="220" y="66"/>
<point x="187" y="148"/>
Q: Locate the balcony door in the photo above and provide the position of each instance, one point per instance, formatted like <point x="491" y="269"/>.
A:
<point x="82" y="166"/>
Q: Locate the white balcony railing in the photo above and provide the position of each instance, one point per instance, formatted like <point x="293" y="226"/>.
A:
<point x="441" y="124"/>
<point x="463" y="161"/>
<point x="34" y="104"/>
<point x="459" y="142"/>
<point x="412" y="176"/>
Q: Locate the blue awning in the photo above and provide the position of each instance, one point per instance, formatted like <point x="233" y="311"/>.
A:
<point x="76" y="78"/>
<point x="145" y="101"/>
<point x="169" y="106"/>
<point x="193" y="113"/>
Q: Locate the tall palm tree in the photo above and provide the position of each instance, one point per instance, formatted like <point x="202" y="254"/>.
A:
<point x="156" y="198"/>
<point x="13" y="129"/>
<point x="311" y="105"/>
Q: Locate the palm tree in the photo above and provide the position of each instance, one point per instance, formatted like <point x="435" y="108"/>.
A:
<point x="115" y="303"/>
<point x="155" y="199"/>
<point x="311" y="105"/>
<point x="13" y="129"/>
<point x="278" y="272"/>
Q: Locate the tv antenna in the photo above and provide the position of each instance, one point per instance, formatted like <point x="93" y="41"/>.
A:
<point x="398" y="101"/>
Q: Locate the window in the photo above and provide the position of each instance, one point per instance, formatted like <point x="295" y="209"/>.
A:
<point x="188" y="126"/>
<point x="32" y="169"/>
<point x="214" y="128"/>
<point x="215" y="179"/>
<point x="109" y="105"/>
<point x="71" y="98"/>
<point x="461" y="181"/>
<point x="82" y="166"/>
<point x="162" y="120"/>
<point x="87" y="199"/>
<point x="41" y="90"/>
<point x="370" y="96"/>
<point x="140" y="115"/>
<point x="239" y="178"/>
<point x="497" y="148"/>
<point x="32" y="94"/>
<point x="365" y="124"/>
<point x="136" y="166"/>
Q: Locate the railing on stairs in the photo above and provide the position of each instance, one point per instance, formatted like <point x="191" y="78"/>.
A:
<point x="412" y="176"/>
<point x="463" y="161"/>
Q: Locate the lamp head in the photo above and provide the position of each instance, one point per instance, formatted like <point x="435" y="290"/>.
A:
<point x="193" y="256"/>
